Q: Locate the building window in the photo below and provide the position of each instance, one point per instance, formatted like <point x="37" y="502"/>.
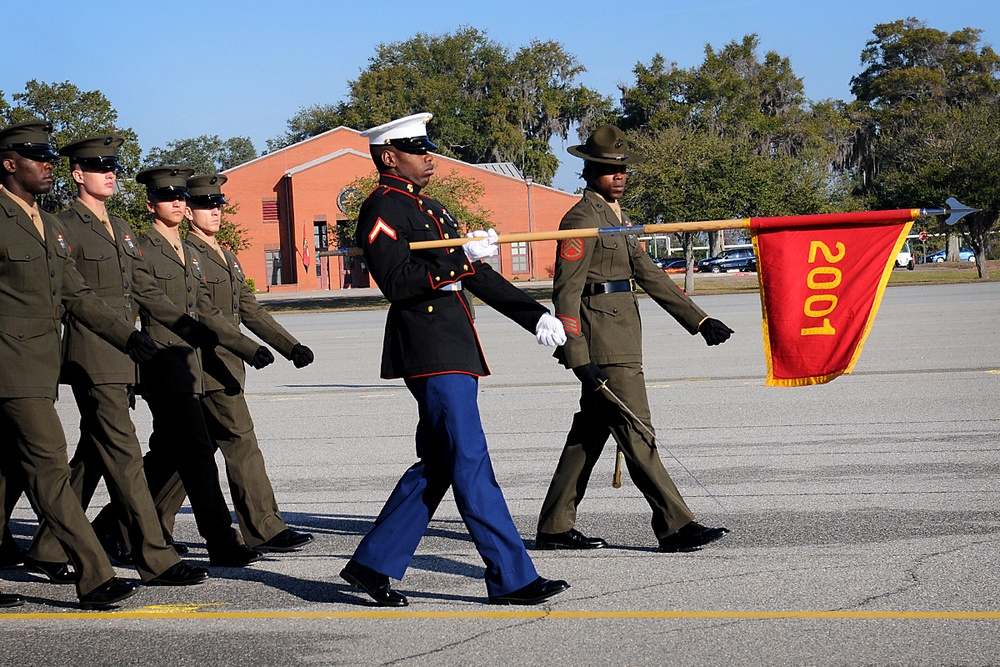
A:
<point x="272" y="265"/>
<point x="519" y="257"/>
<point x="343" y="240"/>
<point x="320" y="242"/>
<point x="320" y="239"/>
<point x="269" y="209"/>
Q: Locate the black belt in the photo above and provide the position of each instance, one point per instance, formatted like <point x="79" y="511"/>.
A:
<point x="610" y="286"/>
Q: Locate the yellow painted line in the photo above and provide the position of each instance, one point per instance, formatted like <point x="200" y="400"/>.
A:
<point x="178" y="612"/>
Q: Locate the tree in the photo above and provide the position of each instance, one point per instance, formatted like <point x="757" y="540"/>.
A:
<point x="952" y="153"/>
<point x="911" y="71"/>
<point x="921" y="99"/>
<point x="205" y="154"/>
<point x="690" y="175"/>
<point x="76" y="114"/>
<point x="733" y="93"/>
<point x="733" y="137"/>
<point x="488" y="105"/>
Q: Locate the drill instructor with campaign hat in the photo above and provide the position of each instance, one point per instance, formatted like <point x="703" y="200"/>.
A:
<point x="38" y="283"/>
<point x="594" y="294"/>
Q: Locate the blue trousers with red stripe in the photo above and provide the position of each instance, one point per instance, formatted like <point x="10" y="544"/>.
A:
<point x="452" y="452"/>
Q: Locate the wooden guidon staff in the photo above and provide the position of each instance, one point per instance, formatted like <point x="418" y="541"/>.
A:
<point x="956" y="210"/>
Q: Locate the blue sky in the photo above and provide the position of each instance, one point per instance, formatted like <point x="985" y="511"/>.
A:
<point x="181" y="69"/>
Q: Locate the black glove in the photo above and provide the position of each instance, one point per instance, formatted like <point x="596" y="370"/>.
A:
<point x="301" y="355"/>
<point x="130" y="391"/>
<point x="714" y="331"/>
<point x="203" y="337"/>
<point x="140" y="347"/>
<point x="591" y="376"/>
<point x="262" y="357"/>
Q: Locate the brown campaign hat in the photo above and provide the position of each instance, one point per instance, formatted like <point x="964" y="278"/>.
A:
<point x="165" y="180"/>
<point x="206" y="189"/>
<point x="607" y="145"/>
<point x="95" y="152"/>
<point x="30" y="140"/>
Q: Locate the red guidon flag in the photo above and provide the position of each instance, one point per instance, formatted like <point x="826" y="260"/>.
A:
<point x="821" y="282"/>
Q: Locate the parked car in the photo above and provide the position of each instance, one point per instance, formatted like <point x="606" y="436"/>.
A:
<point x="671" y="265"/>
<point x="964" y="255"/>
<point x="905" y="256"/>
<point x="735" y="258"/>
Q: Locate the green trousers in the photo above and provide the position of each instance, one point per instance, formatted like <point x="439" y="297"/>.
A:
<point x="109" y="448"/>
<point x="599" y="417"/>
<point x="231" y="428"/>
<point x="32" y="427"/>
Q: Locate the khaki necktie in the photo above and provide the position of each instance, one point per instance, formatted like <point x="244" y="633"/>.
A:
<point x="616" y="209"/>
<point x="36" y="218"/>
<point x="31" y="212"/>
<point x="102" y="216"/>
<point x="107" y="226"/>
<point x="218" y="249"/>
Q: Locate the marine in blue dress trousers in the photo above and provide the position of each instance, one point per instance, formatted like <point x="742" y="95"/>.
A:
<point x="431" y="342"/>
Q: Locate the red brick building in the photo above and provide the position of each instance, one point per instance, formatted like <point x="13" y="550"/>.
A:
<point x="289" y="203"/>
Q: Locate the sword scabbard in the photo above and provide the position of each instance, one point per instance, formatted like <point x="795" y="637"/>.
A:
<point x="616" y="480"/>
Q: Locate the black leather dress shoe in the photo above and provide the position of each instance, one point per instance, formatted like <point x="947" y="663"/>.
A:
<point x="691" y="537"/>
<point x="10" y="600"/>
<point x="57" y="573"/>
<point x="179" y="574"/>
<point x="116" y="549"/>
<point x="12" y="554"/>
<point x="233" y="555"/>
<point x="111" y="591"/>
<point x="537" y="591"/>
<point x="375" y="584"/>
<point x="109" y="535"/>
<point x="571" y="539"/>
<point x="181" y="548"/>
<point x="286" y="540"/>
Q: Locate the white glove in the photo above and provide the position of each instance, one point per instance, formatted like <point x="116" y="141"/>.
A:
<point x="549" y="331"/>
<point x="485" y="247"/>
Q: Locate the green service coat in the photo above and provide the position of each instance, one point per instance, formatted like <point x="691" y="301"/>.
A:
<point x="229" y="293"/>
<point x="606" y="328"/>
<point x="39" y="282"/>
<point x="177" y="367"/>
<point x="115" y="270"/>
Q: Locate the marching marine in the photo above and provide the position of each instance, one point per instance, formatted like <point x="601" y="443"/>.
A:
<point x="224" y="403"/>
<point x="594" y="294"/>
<point x="38" y="283"/>
<point x="431" y="342"/>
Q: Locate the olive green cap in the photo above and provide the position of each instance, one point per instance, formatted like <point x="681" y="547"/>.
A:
<point x="30" y="140"/>
<point x="206" y="189"/>
<point x="165" y="180"/>
<point x="100" y="151"/>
